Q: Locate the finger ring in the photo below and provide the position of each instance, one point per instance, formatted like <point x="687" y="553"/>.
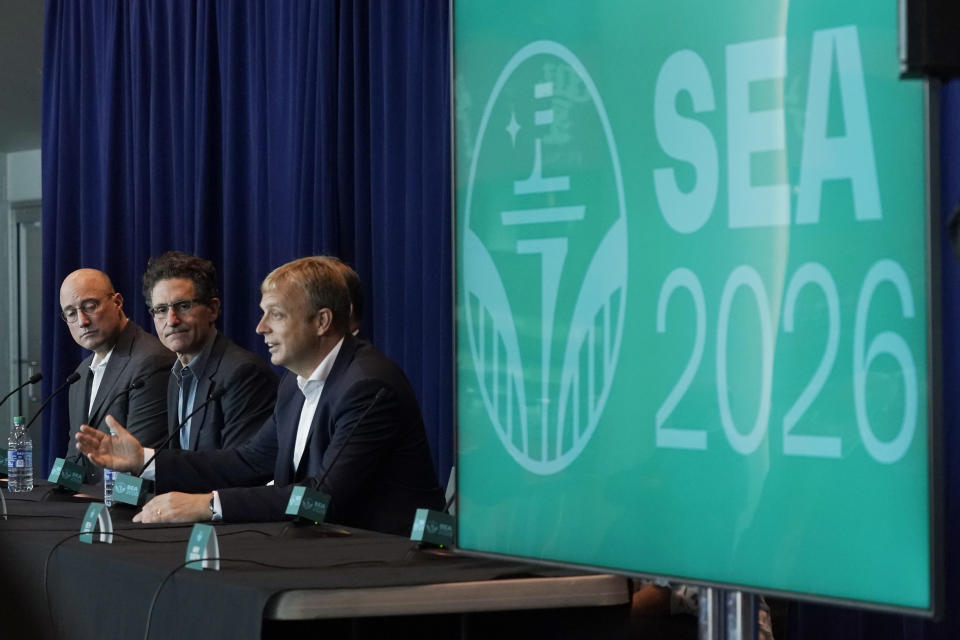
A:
<point x="158" y="511"/>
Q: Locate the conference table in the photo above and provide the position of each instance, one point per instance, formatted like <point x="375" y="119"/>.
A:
<point x="274" y="579"/>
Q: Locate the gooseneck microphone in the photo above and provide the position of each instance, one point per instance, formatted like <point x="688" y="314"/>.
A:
<point x="214" y="394"/>
<point x="353" y="429"/>
<point x="136" y="384"/>
<point x="73" y="377"/>
<point x="35" y="378"/>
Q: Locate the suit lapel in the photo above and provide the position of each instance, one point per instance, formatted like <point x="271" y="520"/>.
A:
<point x="173" y="409"/>
<point x="204" y="386"/>
<point x="308" y="463"/>
<point x="77" y="395"/>
<point x="119" y="360"/>
<point x="288" y="418"/>
<point x="196" y="422"/>
<point x="344" y="358"/>
<point x="321" y="415"/>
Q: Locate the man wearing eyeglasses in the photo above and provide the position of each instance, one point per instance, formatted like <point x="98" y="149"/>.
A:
<point x="181" y="292"/>
<point x="346" y="422"/>
<point x="122" y="353"/>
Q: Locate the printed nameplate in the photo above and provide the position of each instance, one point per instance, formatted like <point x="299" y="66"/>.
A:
<point x="97" y="515"/>
<point x="308" y="504"/>
<point x="128" y="489"/>
<point x="67" y="475"/>
<point x="203" y="551"/>
<point x="434" y="527"/>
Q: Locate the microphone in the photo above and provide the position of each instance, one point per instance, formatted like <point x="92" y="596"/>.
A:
<point x="382" y="392"/>
<point x="214" y="394"/>
<point x="35" y="378"/>
<point x="73" y="377"/>
<point x="136" y="384"/>
<point x="311" y="503"/>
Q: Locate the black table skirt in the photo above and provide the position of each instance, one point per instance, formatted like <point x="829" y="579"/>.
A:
<point x="106" y="590"/>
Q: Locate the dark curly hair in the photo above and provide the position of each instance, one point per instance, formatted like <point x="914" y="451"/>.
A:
<point x="177" y="264"/>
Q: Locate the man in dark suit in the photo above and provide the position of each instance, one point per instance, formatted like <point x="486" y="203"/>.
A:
<point x="346" y="422"/>
<point x="122" y="354"/>
<point x="182" y="294"/>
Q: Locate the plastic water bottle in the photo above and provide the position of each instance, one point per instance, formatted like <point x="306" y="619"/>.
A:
<point x="19" y="459"/>
<point x="109" y="478"/>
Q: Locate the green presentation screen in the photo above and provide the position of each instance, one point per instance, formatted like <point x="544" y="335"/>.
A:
<point x="692" y="293"/>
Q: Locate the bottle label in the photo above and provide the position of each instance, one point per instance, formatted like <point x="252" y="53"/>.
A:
<point x="19" y="459"/>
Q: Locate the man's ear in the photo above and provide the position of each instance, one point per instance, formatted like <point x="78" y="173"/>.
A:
<point x="324" y="321"/>
<point x="214" y="305"/>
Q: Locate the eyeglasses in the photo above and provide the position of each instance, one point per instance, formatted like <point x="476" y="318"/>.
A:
<point x="90" y="307"/>
<point x="179" y="307"/>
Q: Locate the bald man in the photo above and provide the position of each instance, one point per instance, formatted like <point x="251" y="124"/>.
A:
<point x="346" y="421"/>
<point x="122" y="353"/>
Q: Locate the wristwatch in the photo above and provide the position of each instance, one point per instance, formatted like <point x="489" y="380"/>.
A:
<point x="214" y="516"/>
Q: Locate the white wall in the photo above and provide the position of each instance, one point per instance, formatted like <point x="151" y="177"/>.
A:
<point x="19" y="182"/>
<point x="23" y="176"/>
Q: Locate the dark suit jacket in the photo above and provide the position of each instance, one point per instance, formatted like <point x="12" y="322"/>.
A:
<point x="137" y="355"/>
<point x="380" y="478"/>
<point x="249" y="392"/>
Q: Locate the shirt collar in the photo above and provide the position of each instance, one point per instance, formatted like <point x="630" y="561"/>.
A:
<point x="322" y="372"/>
<point x="199" y="361"/>
<point x="94" y="365"/>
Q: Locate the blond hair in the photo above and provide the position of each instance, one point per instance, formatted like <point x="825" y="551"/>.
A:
<point x="322" y="283"/>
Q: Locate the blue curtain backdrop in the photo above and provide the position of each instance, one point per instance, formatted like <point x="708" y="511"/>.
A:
<point x="252" y="133"/>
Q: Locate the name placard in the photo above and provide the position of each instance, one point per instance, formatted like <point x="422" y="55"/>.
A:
<point x="434" y="527"/>
<point x="308" y="504"/>
<point x="203" y="550"/>
<point x="67" y="475"/>
<point x="129" y="489"/>
<point x="97" y="515"/>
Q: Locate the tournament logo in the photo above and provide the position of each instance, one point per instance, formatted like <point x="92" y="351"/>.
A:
<point x="544" y="245"/>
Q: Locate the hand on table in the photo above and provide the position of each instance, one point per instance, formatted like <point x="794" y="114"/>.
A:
<point x="176" y="507"/>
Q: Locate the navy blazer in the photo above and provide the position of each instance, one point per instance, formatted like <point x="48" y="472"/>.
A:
<point x="249" y="387"/>
<point x="379" y="478"/>
<point x="136" y="355"/>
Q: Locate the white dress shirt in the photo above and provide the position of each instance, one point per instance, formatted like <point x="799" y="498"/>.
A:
<point x="312" y="387"/>
<point x="97" y="368"/>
